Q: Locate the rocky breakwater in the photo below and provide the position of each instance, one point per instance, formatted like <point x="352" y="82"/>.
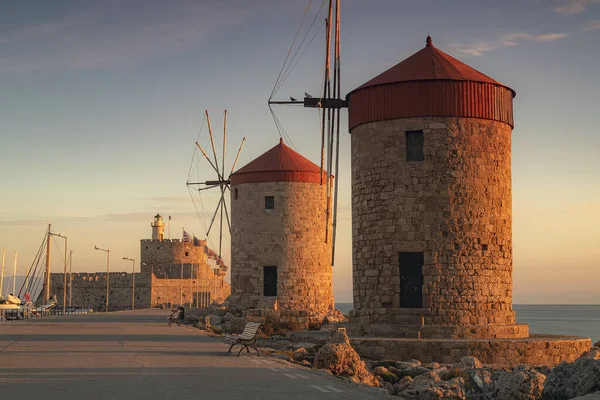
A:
<point x="470" y="379"/>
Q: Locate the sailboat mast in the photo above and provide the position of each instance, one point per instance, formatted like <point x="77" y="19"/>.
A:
<point x="47" y="275"/>
<point x="27" y="271"/>
<point x="15" y="274"/>
<point x="2" y="273"/>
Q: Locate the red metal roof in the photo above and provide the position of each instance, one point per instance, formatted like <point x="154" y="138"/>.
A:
<point x="430" y="63"/>
<point x="279" y="164"/>
<point x="430" y="83"/>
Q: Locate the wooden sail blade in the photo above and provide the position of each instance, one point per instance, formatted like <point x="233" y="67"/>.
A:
<point x="221" y="227"/>
<point x="237" y="155"/>
<point x="224" y="141"/>
<point x="209" y="187"/>
<point x="227" y="216"/>
<point x="213" y="217"/>
<point x="212" y="142"/>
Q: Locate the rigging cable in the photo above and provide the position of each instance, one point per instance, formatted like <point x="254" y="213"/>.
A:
<point x="196" y="149"/>
<point x="291" y="67"/>
<point x="281" y="129"/>
<point x="300" y="58"/>
<point x="40" y="250"/>
<point x="291" y="47"/>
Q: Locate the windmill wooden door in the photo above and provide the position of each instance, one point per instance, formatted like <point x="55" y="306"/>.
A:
<point x="411" y="280"/>
<point x="270" y="281"/>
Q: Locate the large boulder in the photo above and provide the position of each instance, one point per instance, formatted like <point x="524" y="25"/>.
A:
<point x="342" y="360"/>
<point x="429" y="387"/>
<point x="411" y="370"/>
<point x="574" y="379"/>
<point x="340" y="337"/>
<point x="333" y="317"/>
<point x="468" y="362"/>
<point x="479" y="382"/>
<point x="300" y="354"/>
<point x="402" y="384"/>
<point x="385" y="374"/>
<point x="523" y="383"/>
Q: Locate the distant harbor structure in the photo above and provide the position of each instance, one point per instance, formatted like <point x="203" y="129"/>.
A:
<point x="172" y="271"/>
<point x="281" y="258"/>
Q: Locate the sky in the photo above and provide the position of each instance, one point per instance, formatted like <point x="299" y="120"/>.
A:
<point x="101" y="104"/>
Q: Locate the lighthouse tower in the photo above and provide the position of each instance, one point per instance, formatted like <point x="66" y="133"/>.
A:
<point x="432" y="201"/>
<point x="158" y="228"/>
<point x="281" y="256"/>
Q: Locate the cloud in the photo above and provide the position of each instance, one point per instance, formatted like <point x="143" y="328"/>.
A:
<point x="592" y="25"/>
<point x="115" y="32"/>
<point x="571" y="7"/>
<point x="514" y="39"/>
<point x="23" y="222"/>
<point x="147" y="216"/>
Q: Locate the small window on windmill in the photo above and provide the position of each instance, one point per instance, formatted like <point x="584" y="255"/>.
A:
<point x="235" y="194"/>
<point x="269" y="203"/>
<point x="414" y="146"/>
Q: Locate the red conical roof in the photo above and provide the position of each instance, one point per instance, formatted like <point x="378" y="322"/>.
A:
<point x="430" y="63"/>
<point x="430" y="83"/>
<point x="279" y="164"/>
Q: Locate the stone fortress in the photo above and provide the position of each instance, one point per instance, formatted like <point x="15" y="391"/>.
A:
<point x="171" y="272"/>
<point x="281" y="256"/>
<point x="432" y="217"/>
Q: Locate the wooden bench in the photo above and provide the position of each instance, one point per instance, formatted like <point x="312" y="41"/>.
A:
<point x="247" y="339"/>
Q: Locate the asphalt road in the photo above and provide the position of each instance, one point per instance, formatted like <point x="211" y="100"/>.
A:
<point x="134" y="355"/>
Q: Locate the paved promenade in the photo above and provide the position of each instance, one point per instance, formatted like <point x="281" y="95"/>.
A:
<point x="134" y="355"/>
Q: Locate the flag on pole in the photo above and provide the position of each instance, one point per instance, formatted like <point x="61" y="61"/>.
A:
<point x="186" y="237"/>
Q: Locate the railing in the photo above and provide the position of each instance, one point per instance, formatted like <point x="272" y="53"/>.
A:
<point x="55" y="311"/>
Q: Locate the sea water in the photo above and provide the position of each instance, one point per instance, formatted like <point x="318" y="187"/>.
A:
<point x="559" y="319"/>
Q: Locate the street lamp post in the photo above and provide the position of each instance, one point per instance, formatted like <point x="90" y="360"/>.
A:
<point x="70" y="278"/>
<point x="107" y="251"/>
<point x="133" y="283"/>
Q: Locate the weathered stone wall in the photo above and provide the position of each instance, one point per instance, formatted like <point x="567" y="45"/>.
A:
<point x="202" y="291"/>
<point x="291" y="237"/>
<point x="455" y="206"/>
<point x="89" y="290"/>
<point x="538" y="350"/>
<point x="166" y="256"/>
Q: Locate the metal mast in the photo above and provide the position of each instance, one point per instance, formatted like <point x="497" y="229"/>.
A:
<point x="331" y="104"/>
